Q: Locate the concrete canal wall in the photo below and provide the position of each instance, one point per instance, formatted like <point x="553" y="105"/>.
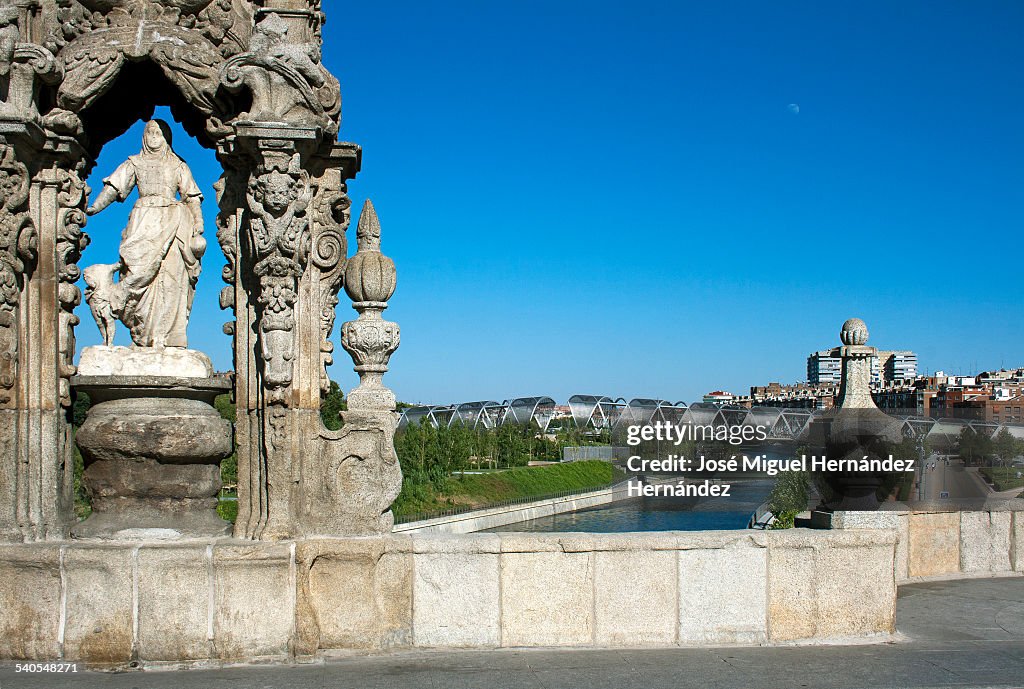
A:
<point x="489" y="518"/>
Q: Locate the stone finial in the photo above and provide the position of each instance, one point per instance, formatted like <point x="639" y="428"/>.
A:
<point x="854" y="332"/>
<point x="370" y="276"/>
<point x="370" y="280"/>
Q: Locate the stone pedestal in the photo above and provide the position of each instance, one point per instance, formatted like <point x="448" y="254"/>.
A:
<point x="856" y="428"/>
<point x="152" y="447"/>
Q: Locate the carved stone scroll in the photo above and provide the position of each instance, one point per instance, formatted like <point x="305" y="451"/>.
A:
<point x="19" y="242"/>
<point x="71" y="242"/>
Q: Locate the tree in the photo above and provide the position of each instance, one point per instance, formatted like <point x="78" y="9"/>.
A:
<point x="80" y="409"/>
<point x="226" y="407"/>
<point x="974" y="447"/>
<point x="1006" y="446"/>
<point x="331" y="407"/>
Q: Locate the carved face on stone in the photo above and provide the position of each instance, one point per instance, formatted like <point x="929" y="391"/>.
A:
<point x="278" y="192"/>
<point x="153" y="138"/>
<point x="8" y="185"/>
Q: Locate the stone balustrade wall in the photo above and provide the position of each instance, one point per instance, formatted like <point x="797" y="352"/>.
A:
<point x="941" y="545"/>
<point x="235" y="600"/>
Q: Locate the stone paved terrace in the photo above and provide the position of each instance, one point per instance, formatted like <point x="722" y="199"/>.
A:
<point x="967" y="633"/>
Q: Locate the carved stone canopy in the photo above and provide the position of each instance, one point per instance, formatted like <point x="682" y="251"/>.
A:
<point x="246" y="78"/>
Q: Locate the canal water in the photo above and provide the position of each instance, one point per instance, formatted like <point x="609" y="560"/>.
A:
<point x="659" y="514"/>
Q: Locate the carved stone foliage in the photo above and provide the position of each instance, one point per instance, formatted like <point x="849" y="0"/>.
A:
<point x="72" y="196"/>
<point x="18" y="247"/>
<point x="284" y="74"/>
<point x="93" y="60"/>
<point x="331" y="214"/>
<point x="23" y="66"/>
<point x="228" y="200"/>
<point x="188" y="39"/>
<point x="278" y="202"/>
<point x="223" y="22"/>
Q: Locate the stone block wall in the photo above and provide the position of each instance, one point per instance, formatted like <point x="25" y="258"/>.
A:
<point x="938" y="545"/>
<point x="226" y="599"/>
<point x="236" y="600"/>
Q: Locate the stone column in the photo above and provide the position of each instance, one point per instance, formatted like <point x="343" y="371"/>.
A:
<point x="284" y="214"/>
<point x="41" y="224"/>
<point x="855" y="386"/>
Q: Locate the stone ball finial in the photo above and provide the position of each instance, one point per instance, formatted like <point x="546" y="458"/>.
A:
<point x="854" y="332"/>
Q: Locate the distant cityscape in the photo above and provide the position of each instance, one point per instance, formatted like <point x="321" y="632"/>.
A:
<point x="992" y="395"/>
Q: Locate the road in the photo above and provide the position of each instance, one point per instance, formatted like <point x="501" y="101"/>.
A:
<point x="961" y="483"/>
<point x="953" y="634"/>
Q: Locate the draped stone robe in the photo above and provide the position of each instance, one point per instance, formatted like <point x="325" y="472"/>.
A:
<point x="158" y="269"/>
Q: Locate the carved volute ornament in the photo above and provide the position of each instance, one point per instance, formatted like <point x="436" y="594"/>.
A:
<point x="18" y="245"/>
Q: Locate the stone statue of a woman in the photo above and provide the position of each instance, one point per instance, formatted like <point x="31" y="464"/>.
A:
<point x="160" y="248"/>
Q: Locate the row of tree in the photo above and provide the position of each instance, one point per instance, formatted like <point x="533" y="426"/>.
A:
<point x="431" y="455"/>
<point x="978" y="448"/>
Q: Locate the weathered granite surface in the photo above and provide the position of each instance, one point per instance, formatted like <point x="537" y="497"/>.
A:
<point x="228" y="599"/>
<point x="942" y="545"/>
<point x="152" y="448"/>
<point x="172" y="362"/>
<point x="246" y="79"/>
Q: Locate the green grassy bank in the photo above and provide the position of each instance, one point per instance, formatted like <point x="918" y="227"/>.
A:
<point x="1003" y="478"/>
<point x="480" y="490"/>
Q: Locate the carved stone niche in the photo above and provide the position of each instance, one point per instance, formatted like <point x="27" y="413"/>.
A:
<point x="152" y="447"/>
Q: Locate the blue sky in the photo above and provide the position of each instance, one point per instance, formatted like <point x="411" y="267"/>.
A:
<point x="658" y="199"/>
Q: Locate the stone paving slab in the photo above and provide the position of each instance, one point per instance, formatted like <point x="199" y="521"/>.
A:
<point x="967" y="633"/>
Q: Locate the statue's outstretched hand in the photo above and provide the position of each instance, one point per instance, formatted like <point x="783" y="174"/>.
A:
<point x="106" y="197"/>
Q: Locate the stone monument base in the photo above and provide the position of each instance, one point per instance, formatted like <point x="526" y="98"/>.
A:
<point x="175" y="362"/>
<point x="152" y="447"/>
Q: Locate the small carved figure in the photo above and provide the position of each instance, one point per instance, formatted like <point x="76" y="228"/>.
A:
<point x="160" y="248"/>
<point x="270" y="40"/>
<point x="285" y="76"/>
<point x="10" y="34"/>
